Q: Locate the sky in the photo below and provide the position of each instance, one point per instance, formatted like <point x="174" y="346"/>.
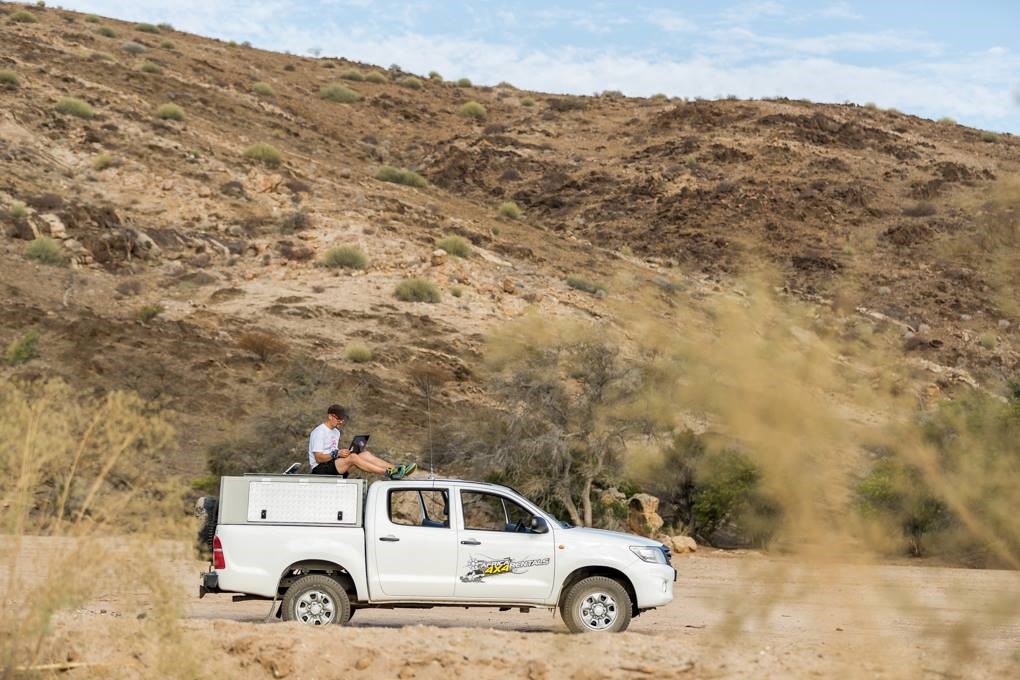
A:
<point x="934" y="58"/>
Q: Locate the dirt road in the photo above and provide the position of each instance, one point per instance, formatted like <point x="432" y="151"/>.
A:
<point x="735" y="615"/>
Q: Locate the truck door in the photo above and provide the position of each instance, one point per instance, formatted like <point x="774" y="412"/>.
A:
<point x="500" y="558"/>
<point x="415" y="547"/>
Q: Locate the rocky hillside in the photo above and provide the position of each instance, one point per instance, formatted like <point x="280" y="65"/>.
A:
<point x="193" y="256"/>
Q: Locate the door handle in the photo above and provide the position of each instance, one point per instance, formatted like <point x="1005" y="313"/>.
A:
<point x="389" y="539"/>
<point x="471" y="541"/>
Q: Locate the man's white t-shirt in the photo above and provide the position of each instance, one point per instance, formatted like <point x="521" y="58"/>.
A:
<point x="322" y="439"/>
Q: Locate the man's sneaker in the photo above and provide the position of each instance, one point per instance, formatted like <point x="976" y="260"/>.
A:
<point x="391" y="473"/>
<point x="409" y="469"/>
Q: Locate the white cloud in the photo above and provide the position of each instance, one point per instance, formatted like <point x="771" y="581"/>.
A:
<point x="838" y="10"/>
<point x="746" y="12"/>
<point x="671" y="22"/>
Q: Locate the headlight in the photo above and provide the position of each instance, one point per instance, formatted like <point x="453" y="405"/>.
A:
<point x="649" y="553"/>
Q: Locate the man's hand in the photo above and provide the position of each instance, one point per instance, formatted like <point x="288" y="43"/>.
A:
<point x="343" y="453"/>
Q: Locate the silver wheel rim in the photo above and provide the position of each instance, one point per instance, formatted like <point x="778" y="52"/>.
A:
<point x="315" y="607"/>
<point x="598" y="611"/>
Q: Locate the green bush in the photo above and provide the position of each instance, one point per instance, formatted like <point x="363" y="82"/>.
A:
<point x="338" y="93"/>
<point x="344" y="257"/>
<point x="9" y="79"/>
<point x="989" y="137"/>
<point x="496" y="231"/>
<point x="106" y="32"/>
<point x="23" y="349"/>
<point x="170" y="112"/>
<point x="509" y="209"/>
<point x="659" y="97"/>
<point x="358" y="353"/>
<point x="75" y="107"/>
<point x="946" y="120"/>
<point x="132" y="47"/>
<point x="45" y="250"/>
<point x="261" y="88"/>
<point x="527" y="102"/>
<point x="895" y="492"/>
<point x="149" y="312"/>
<point x="472" y="109"/>
<point x="266" y="153"/>
<point x="410" y="82"/>
<point x="400" y="176"/>
<point x="102" y="162"/>
<point x="456" y="291"/>
<point x="150" y="67"/>
<point x="353" y="74"/>
<point x="464" y="82"/>
<point x="163" y="26"/>
<point x="416" y="290"/>
<point x="581" y="283"/>
<point x="455" y="245"/>
<point x="147" y="28"/>
<point x="22" y="17"/>
<point x="167" y="45"/>
<point x="17" y="211"/>
<point x="92" y="19"/>
<point x="436" y="76"/>
<point x="375" y="77"/>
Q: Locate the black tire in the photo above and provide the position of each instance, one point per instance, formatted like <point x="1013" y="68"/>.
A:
<point x="206" y="509"/>
<point x="597" y="604"/>
<point x="316" y="600"/>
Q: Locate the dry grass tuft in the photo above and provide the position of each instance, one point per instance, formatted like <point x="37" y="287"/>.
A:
<point x="263" y="345"/>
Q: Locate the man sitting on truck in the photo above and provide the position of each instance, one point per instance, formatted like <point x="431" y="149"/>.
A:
<point x="325" y="457"/>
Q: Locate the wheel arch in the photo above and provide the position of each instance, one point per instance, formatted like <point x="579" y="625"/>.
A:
<point x="327" y="567"/>
<point x="582" y="573"/>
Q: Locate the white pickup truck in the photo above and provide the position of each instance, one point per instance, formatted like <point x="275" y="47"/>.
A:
<point x="327" y="549"/>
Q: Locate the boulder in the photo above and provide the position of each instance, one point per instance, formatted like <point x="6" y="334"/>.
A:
<point x="678" y="544"/>
<point x="644" y="516"/>
<point x="54" y="225"/>
<point x="438" y="257"/>
<point x="508" y="286"/>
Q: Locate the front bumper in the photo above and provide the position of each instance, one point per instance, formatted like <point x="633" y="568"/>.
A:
<point x="653" y="585"/>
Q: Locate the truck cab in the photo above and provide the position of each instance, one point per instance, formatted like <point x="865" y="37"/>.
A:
<point x="434" y="542"/>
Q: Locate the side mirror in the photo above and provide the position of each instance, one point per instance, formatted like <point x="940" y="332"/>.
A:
<point x="539" y="525"/>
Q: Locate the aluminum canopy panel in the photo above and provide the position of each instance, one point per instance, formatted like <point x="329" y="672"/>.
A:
<point x="278" y="501"/>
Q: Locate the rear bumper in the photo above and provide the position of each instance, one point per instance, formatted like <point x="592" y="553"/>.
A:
<point x="654" y="585"/>
<point x="210" y="584"/>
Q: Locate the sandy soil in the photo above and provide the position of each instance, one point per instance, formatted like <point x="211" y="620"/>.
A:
<point x="734" y="615"/>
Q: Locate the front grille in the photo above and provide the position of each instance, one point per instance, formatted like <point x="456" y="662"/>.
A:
<point x="667" y="554"/>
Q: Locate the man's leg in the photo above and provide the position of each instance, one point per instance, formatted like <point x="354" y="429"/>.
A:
<point x="373" y="459"/>
<point x="356" y="460"/>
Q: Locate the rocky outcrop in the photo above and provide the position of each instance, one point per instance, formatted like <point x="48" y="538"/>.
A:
<point x="644" y="517"/>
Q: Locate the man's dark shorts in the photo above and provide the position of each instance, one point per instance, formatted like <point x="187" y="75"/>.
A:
<point x="327" y="468"/>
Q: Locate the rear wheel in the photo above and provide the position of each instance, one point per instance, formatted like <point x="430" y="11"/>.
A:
<point x="597" y="604"/>
<point x="316" y="600"/>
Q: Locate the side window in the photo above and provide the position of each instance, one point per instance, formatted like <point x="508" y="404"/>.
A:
<point x="420" y="507"/>
<point x="490" y="512"/>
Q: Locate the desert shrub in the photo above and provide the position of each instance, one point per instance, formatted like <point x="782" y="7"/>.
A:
<point x="9" y="79"/>
<point x="170" y="112"/>
<point x="167" y="44"/>
<point x="358" y="353"/>
<point x="106" y="32"/>
<point x="436" y="76"/>
<point x="261" y="88"/>
<point x="353" y="74"/>
<point x="102" y="162"/>
<point x="22" y="349"/>
<point x="472" y="109"/>
<point x="509" y="209"/>
<point x="659" y="97"/>
<point x="416" y="290"/>
<point x="375" y="77"/>
<point x="132" y="47"/>
<point x="17" y="211"/>
<point x="920" y="209"/>
<point x="527" y="102"/>
<point x="496" y="231"/>
<point x="989" y="137"/>
<point x="463" y="82"/>
<point x="75" y="107"/>
<point x="455" y="245"/>
<point x="164" y="26"/>
<point x="296" y="221"/>
<point x="338" y="93"/>
<point x="146" y="28"/>
<point x="871" y="105"/>
<point x="456" y="291"/>
<point x="410" y="82"/>
<point x="261" y="344"/>
<point x="583" y="284"/>
<point x="92" y="19"/>
<point x="563" y="104"/>
<point x="149" y="312"/>
<point x="344" y="257"/>
<point x="612" y="94"/>
<point x="22" y="17"/>
<point x="400" y="176"/>
<point x="896" y="492"/>
<point x="45" y="250"/>
<point x="150" y="67"/>
<point x="946" y="120"/>
<point x="265" y="153"/>
<point x="987" y="340"/>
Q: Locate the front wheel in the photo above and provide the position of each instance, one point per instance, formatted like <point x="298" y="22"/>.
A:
<point x="316" y="600"/>
<point x="597" y="604"/>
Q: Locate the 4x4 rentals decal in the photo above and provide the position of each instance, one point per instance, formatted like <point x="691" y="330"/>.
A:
<point x="480" y="567"/>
